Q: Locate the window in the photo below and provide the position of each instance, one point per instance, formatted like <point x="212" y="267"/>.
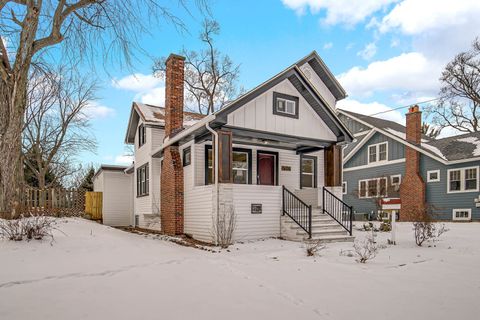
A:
<point x="308" y="172"/>
<point x="395" y="181"/>
<point x="462" y="214"/>
<point x="142" y="135"/>
<point x="462" y="180"/>
<point x="344" y="187"/>
<point x="240" y="167"/>
<point x="371" y="188"/>
<point x="433" y="176"/>
<point x="142" y="180"/>
<point x="378" y="152"/>
<point x="285" y="105"/>
<point x="187" y="156"/>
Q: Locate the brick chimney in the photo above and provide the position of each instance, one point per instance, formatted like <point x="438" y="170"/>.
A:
<point x="412" y="190"/>
<point x="171" y="183"/>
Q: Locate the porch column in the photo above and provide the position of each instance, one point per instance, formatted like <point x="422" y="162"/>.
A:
<point x="333" y="166"/>
<point x="225" y="157"/>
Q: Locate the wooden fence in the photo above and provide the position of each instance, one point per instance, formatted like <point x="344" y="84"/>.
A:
<point x="53" y="201"/>
<point x="94" y="204"/>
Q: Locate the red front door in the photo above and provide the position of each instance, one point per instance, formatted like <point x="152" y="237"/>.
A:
<point x="266" y="169"/>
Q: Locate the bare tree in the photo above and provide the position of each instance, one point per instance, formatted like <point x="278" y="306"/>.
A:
<point x="210" y="76"/>
<point x="430" y="130"/>
<point x="31" y="27"/>
<point x="459" y="102"/>
<point x="56" y="124"/>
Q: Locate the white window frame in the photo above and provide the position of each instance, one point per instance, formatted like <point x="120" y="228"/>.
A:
<point x="367" y="196"/>
<point x="242" y="169"/>
<point x="433" y="171"/>
<point x="344" y="187"/>
<point x="462" y="180"/>
<point x="454" y="211"/>
<point x="287" y="101"/>
<point x="399" y="176"/>
<point x="377" y="152"/>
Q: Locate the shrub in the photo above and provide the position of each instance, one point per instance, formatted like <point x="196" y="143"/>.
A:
<point x="366" y="249"/>
<point x="224" y="225"/>
<point x="427" y="231"/>
<point x="32" y="227"/>
<point x="313" y="247"/>
<point x="385" y="226"/>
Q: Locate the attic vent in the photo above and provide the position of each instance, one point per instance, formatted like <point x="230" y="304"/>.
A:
<point x="308" y="73"/>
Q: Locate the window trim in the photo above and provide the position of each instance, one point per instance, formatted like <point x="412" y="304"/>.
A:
<point x="433" y="171"/>
<point x="184" y="151"/>
<point x="462" y="180"/>
<point x="399" y="176"/>
<point x="367" y="196"/>
<point x="147" y="180"/>
<point x="469" y="210"/>
<point x="377" y="155"/>
<point x="315" y="170"/>
<point x="142" y="135"/>
<point x="277" y="95"/>
<point x="344" y="187"/>
<point x="249" y="153"/>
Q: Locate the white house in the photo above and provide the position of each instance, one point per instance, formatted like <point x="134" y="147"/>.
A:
<point x="272" y="156"/>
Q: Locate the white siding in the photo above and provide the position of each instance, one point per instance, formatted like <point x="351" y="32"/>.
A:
<point x="198" y="210"/>
<point x="319" y="85"/>
<point x="258" y="114"/>
<point x="98" y="182"/>
<point x="117" y="198"/>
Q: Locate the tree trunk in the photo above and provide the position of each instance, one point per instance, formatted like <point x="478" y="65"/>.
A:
<point x="12" y="109"/>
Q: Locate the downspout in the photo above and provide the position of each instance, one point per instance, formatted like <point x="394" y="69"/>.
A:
<point x="215" y="155"/>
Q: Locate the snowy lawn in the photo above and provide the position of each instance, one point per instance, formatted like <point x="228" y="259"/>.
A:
<point x="96" y="272"/>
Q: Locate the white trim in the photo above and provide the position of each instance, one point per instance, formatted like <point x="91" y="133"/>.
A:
<point x="462" y="180"/>
<point x="358" y="146"/>
<point x="454" y="211"/>
<point x="377" y="152"/>
<point x="433" y="171"/>
<point x="345" y="189"/>
<point x="367" y="196"/>
<point x="373" y="165"/>
<point x="361" y="133"/>
<point x="397" y="185"/>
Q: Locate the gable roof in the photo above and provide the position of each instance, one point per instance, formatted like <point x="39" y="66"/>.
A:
<point x="154" y="116"/>
<point x="462" y="148"/>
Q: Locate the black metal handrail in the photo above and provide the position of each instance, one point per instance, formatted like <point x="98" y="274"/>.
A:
<point x="338" y="210"/>
<point x="297" y="210"/>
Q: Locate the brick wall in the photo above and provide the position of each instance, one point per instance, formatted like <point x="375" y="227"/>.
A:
<point x="172" y="193"/>
<point x="412" y="190"/>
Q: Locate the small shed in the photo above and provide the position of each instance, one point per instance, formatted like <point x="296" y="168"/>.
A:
<point x="116" y="184"/>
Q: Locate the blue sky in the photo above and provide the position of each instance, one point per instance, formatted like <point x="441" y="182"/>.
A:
<point x="386" y="53"/>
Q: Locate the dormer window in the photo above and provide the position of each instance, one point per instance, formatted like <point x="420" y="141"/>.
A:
<point x="285" y="105"/>
<point x="377" y="152"/>
<point x="142" y="135"/>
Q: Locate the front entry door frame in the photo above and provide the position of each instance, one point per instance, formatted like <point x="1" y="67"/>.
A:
<point x="275" y="169"/>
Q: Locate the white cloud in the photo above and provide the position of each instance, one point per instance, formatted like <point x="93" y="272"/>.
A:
<point x="348" y="12"/>
<point x="394" y="43"/>
<point x="372" y="108"/>
<point x="137" y="82"/>
<point x="98" y="111"/>
<point x="328" y="45"/>
<point x="416" y="17"/>
<point x="408" y="72"/>
<point x="123" y="159"/>
<point x="368" y="52"/>
<point x="155" y="96"/>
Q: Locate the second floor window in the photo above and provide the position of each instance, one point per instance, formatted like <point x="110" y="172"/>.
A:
<point x="142" y="135"/>
<point x="143" y="180"/>
<point x="372" y="188"/>
<point x="377" y="152"/>
<point x="285" y="105"/>
<point x="463" y="180"/>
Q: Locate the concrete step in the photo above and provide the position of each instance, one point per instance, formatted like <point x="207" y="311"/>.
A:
<point x="321" y="225"/>
<point x="326" y="232"/>
<point x="334" y="238"/>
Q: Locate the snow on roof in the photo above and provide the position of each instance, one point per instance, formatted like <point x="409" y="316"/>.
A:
<point x="475" y="141"/>
<point x="156" y="115"/>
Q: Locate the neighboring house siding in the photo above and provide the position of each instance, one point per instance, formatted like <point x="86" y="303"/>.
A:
<point x="396" y="150"/>
<point x="352" y="125"/>
<point x="441" y="202"/>
<point x="258" y="114"/>
<point x="352" y="178"/>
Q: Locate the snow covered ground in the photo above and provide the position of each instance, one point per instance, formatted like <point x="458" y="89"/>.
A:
<point x="97" y="272"/>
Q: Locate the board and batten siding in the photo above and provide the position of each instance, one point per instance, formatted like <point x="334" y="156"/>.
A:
<point x="258" y="114"/>
<point x="352" y="178"/>
<point x="438" y="199"/>
<point x="396" y="150"/>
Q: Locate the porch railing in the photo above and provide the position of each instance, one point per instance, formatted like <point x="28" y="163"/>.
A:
<point x="338" y="210"/>
<point x="297" y="210"/>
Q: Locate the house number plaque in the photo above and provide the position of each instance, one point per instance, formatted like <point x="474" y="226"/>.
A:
<point x="256" y="208"/>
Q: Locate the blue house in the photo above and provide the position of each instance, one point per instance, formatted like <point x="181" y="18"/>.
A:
<point x="394" y="168"/>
